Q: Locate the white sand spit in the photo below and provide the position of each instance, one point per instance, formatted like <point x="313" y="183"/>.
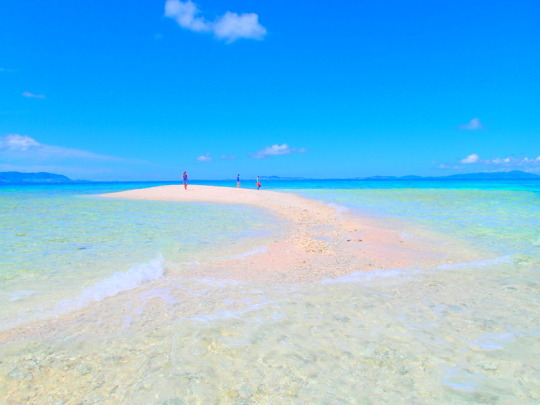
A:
<point x="320" y="241"/>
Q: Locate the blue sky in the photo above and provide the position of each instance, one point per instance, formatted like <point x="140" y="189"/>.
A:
<point x="143" y="90"/>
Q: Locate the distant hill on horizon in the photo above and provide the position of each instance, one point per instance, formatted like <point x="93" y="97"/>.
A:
<point x="41" y="177"/>
<point x="510" y="175"/>
<point x="52" y="178"/>
<point x="282" y="178"/>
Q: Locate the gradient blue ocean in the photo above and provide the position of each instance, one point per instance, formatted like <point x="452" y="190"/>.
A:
<point x="461" y="333"/>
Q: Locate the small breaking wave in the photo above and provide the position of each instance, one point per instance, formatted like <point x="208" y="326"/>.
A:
<point x="477" y="263"/>
<point x="21" y="295"/>
<point x="368" y="276"/>
<point x="338" y="208"/>
<point x="108" y="287"/>
<point x="118" y="282"/>
<point x="260" y="249"/>
<point x="405" y="272"/>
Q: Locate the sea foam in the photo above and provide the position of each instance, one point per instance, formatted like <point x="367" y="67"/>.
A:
<point x="260" y="249"/>
<point x="404" y="272"/>
<point x="368" y="276"/>
<point x="478" y="263"/>
<point x="337" y="207"/>
<point x="116" y="283"/>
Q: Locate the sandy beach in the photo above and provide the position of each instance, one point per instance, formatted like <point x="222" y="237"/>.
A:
<point x="320" y="240"/>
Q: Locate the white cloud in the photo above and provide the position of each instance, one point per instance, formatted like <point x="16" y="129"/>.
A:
<point x="474" y="158"/>
<point x="233" y="26"/>
<point x="473" y="125"/>
<point x="185" y="13"/>
<point x="531" y="164"/>
<point x="205" y="158"/>
<point x="22" y="147"/>
<point x="229" y="27"/>
<point x="16" y="142"/>
<point x="499" y="161"/>
<point x="508" y="162"/>
<point x="276" y="150"/>
<point x="32" y="95"/>
<point x="523" y="162"/>
<point x="445" y="166"/>
<point x="228" y="157"/>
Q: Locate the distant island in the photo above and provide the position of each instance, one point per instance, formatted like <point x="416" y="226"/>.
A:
<point x="512" y="175"/>
<point x="281" y="178"/>
<point x="42" y="177"/>
<point x="51" y="178"/>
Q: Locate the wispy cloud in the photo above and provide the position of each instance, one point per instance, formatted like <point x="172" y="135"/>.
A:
<point x="16" y="142"/>
<point x="473" y="125"/>
<point x="186" y="15"/>
<point x="445" y="166"/>
<point x="32" y="95"/>
<point x="229" y="27"/>
<point x="22" y="147"/>
<point x="205" y="158"/>
<point x="228" y="157"/>
<point x="516" y="162"/>
<point x="6" y="70"/>
<point x="505" y="161"/>
<point x="275" y="150"/>
<point x="510" y="162"/>
<point x="473" y="158"/>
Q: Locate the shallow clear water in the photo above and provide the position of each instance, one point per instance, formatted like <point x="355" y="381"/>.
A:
<point x="463" y="333"/>
<point x="504" y="221"/>
<point x="58" y="241"/>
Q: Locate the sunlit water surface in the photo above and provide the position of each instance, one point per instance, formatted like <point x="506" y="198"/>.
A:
<point x="459" y="333"/>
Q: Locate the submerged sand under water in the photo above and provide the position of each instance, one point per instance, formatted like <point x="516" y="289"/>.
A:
<point x="298" y="320"/>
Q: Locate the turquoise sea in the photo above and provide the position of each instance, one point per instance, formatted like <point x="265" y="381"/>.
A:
<point x="92" y="273"/>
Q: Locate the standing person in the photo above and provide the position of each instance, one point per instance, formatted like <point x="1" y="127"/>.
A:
<point x="238" y="180"/>
<point x="258" y="184"/>
<point x="185" y="180"/>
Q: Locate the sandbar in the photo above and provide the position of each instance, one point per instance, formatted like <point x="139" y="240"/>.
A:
<point x="320" y="240"/>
